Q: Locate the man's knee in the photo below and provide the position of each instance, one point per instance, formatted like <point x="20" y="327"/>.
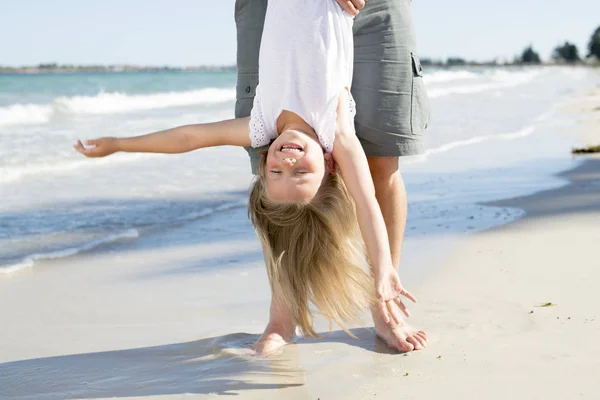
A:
<point x="382" y="168"/>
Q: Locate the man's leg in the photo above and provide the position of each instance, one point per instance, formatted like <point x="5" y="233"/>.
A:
<point x="391" y="196"/>
<point x="249" y="22"/>
<point x="279" y="331"/>
<point x="392" y="112"/>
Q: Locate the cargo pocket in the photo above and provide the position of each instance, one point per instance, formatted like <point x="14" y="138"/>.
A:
<point x="245" y="91"/>
<point x="421" y="108"/>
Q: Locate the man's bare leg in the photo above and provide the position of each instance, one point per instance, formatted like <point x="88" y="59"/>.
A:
<point x="391" y="196"/>
<point x="279" y="331"/>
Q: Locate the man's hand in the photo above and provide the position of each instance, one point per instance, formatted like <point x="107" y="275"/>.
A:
<point x="352" y="6"/>
<point x="388" y="290"/>
<point x="102" y="147"/>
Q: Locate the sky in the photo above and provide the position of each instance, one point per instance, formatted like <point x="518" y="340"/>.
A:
<point x="202" y="32"/>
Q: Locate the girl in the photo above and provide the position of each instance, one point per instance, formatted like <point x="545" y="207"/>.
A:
<point x="302" y="210"/>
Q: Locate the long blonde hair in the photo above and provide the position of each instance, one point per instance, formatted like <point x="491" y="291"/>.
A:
<point x="313" y="253"/>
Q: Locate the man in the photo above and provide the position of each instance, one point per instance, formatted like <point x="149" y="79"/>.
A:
<point x="392" y="113"/>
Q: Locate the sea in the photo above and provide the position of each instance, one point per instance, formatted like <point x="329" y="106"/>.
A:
<point x="494" y="133"/>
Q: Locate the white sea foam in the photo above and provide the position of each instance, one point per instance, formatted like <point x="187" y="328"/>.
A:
<point x="110" y="103"/>
<point x="448" y="76"/>
<point x="25" y="114"/>
<point x="30" y="260"/>
<point x="478" y="139"/>
<point x="231" y="205"/>
<point x="15" y="173"/>
<point x="468" y="142"/>
<point x="209" y="210"/>
<point x="497" y="80"/>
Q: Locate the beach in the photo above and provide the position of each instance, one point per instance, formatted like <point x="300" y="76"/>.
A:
<point x="140" y="276"/>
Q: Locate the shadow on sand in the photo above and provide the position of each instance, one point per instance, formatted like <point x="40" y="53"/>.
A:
<point x="220" y="365"/>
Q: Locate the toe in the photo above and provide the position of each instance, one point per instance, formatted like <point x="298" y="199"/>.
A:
<point x="421" y="340"/>
<point x="404" y="346"/>
<point x="422" y="335"/>
<point x="417" y="345"/>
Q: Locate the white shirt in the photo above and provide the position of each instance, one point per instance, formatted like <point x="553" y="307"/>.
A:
<point x="305" y="61"/>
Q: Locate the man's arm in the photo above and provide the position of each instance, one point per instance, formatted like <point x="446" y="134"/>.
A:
<point x="234" y="132"/>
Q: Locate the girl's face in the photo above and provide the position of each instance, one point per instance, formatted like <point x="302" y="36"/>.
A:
<point x="295" y="167"/>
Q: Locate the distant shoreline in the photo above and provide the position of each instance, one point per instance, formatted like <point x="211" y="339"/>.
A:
<point x="65" y="69"/>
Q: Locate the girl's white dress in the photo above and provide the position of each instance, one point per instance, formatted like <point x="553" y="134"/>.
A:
<point x="305" y="61"/>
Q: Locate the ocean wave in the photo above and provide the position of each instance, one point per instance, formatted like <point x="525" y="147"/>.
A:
<point x="468" y="142"/>
<point x="448" y="76"/>
<point x="20" y="114"/>
<point x="496" y="80"/>
<point x="478" y="139"/>
<point x="109" y="103"/>
<point x="521" y="133"/>
<point x="30" y="260"/>
<point x="205" y="212"/>
<point x="12" y="174"/>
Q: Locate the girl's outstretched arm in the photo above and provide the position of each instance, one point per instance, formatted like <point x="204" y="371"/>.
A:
<point x="234" y="132"/>
<point x="350" y="157"/>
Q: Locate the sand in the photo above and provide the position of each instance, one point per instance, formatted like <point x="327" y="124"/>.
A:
<point x="512" y="312"/>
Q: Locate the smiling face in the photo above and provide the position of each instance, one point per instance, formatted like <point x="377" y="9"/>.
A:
<point x="295" y="167"/>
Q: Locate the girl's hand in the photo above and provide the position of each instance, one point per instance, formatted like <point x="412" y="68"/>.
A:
<point x="352" y="6"/>
<point x="389" y="291"/>
<point x="102" y="147"/>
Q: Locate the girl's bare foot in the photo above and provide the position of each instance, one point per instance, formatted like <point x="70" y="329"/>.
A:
<point x="401" y="337"/>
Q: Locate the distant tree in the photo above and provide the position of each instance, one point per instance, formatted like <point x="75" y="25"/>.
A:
<point x="430" y="61"/>
<point x="594" y="45"/>
<point x="567" y="52"/>
<point x="48" y="66"/>
<point x="455" y="61"/>
<point x="529" y="56"/>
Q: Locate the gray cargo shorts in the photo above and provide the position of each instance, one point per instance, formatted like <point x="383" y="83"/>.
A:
<point x="392" y="106"/>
